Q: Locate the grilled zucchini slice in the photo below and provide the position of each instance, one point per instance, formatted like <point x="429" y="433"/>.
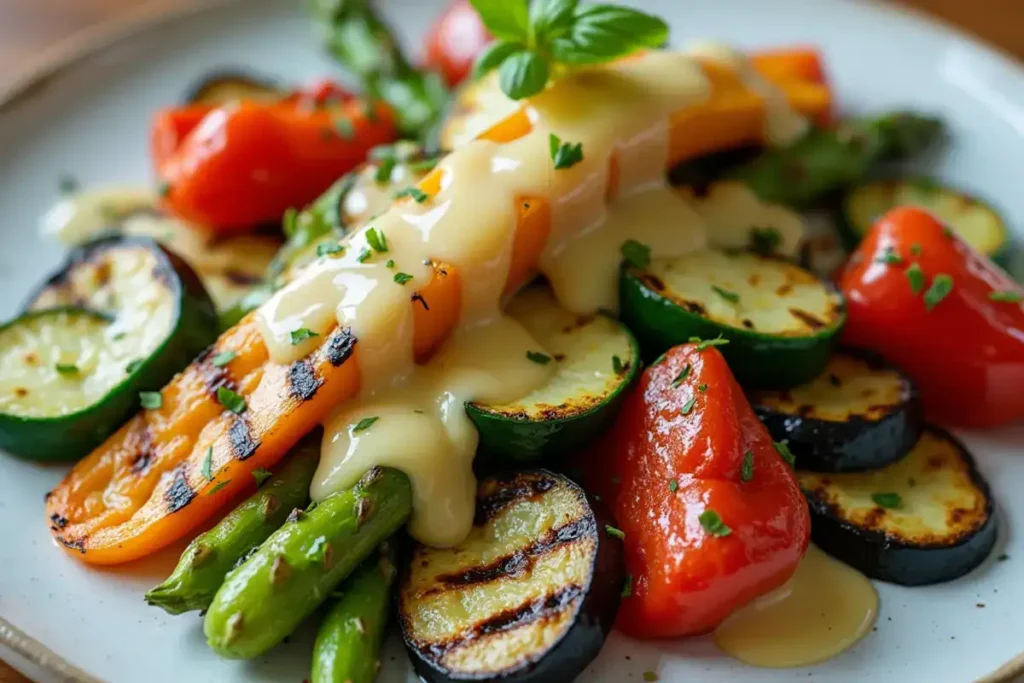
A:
<point x="925" y="519"/>
<point x="858" y="414"/>
<point x="528" y="597"/>
<point x="227" y="85"/>
<point x="595" y="358"/>
<point x="780" y="320"/>
<point x="974" y="220"/>
<point x="69" y="381"/>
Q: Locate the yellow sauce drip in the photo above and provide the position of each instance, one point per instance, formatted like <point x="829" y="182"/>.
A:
<point x="825" y="608"/>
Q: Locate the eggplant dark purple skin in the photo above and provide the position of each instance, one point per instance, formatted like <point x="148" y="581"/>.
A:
<point x="873" y="542"/>
<point x="874" y="432"/>
<point x="587" y="611"/>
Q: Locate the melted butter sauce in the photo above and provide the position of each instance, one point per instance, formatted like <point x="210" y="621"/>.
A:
<point x="825" y="608"/>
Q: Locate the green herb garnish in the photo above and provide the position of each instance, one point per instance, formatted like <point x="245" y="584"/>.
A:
<point x="890" y="257"/>
<point x="683" y="374"/>
<point x="702" y="388"/>
<point x="151" y="399"/>
<point x="133" y="365"/>
<point x="627" y="586"/>
<point x="223" y="358"/>
<point x="206" y="469"/>
<point x="915" y="249"/>
<point x="375" y="238"/>
<point x="713" y="524"/>
<point x="747" y="469"/>
<point x="230" y="400"/>
<point x="538" y="358"/>
<point x="385" y="167"/>
<point x="673" y="485"/>
<point x="261" y="475"/>
<point x="218" y="487"/>
<point x="636" y="254"/>
<point x="289" y="221"/>
<point x="617" y="367"/>
<point x="1007" y="296"/>
<point x="688" y="406"/>
<point x="302" y="334"/>
<point x="916" y="277"/>
<point x="364" y="255"/>
<point x="705" y="343"/>
<point x="416" y="193"/>
<point x="942" y="285"/>
<point x="564" y="154"/>
<point x="887" y="500"/>
<point x="731" y="297"/>
<point x="783" y="448"/>
<point x="612" y="531"/>
<point x="70" y="368"/>
<point x="390" y="263"/>
<point x="329" y="249"/>
<point x="402" y="278"/>
<point x="364" y="423"/>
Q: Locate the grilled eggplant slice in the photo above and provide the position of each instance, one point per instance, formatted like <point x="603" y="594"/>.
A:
<point x="528" y="597"/>
<point x="596" y="359"/>
<point x="925" y="519"/>
<point x="221" y="87"/>
<point x="858" y="414"/>
<point x="780" y="321"/>
<point x="70" y="381"/>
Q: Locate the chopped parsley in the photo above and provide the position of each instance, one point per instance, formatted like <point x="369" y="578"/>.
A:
<point x="132" y="366"/>
<point x="163" y="188"/>
<point x="683" y="374"/>
<point x="70" y="368"/>
<point x="636" y="254"/>
<point x="915" y="249"/>
<point x="289" y="220"/>
<point x="731" y="297"/>
<point x="764" y="241"/>
<point x="564" y="154"/>
<point x="230" y="400"/>
<point x="538" y="357"/>
<point x="1007" y="296"/>
<point x="916" y="277"/>
<point x="375" y="238"/>
<point x="261" y="475"/>
<point x="151" y="399"/>
<point x="223" y="358"/>
<point x="343" y="127"/>
<point x="702" y="388"/>
<point x="688" y="406"/>
<point x="613" y="531"/>
<point x="302" y="334"/>
<point x="942" y="285"/>
<point x="747" y="468"/>
<point x="207" y="467"/>
<point x="705" y="343"/>
<point x="390" y="263"/>
<point x="402" y="278"/>
<point x="385" y="167"/>
<point x="419" y="195"/>
<point x="713" y="524"/>
<point x="673" y="485"/>
<point x="329" y="249"/>
<point x="783" y="448"/>
<point x="365" y="423"/>
<point x="887" y="500"/>
<point x="890" y="257"/>
<point x="627" y="586"/>
<point x="218" y="487"/>
<point x="364" y="255"/>
<point x="617" y="367"/>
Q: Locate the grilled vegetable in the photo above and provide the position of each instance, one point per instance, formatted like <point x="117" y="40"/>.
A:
<point x="543" y="578"/>
<point x="858" y="414"/>
<point x="976" y="222"/>
<point x="347" y="648"/>
<point x="596" y="359"/>
<point x="70" y="380"/>
<point x="778" y="320"/>
<point x="281" y="403"/>
<point x="267" y="596"/>
<point x="925" y="519"/>
<point x="208" y="559"/>
<point x="222" y="87"/>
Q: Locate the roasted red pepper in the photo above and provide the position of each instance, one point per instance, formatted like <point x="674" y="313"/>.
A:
<point x="712" y="513"/>
<point x="945" y="314"/>
<point x="236" y="166"/>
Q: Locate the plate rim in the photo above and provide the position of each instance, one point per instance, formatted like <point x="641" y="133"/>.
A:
<point x="61" y="59"/>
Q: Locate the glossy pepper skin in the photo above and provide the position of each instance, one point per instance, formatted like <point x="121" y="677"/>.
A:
<point x="243" y="164"/>
<point x="674" y="460"/>
<point x="454" y="41"/>
<point x="966" y="350"/>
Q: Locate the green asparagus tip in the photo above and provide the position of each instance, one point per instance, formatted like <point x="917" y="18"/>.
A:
<point x="905" y="133"/>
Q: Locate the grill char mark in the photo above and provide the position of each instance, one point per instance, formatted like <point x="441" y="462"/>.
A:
<point x="180" y="493"/>
<point x="522" y="489"/>
<point x="243" y="445"/>
<point x="339" y="346"/>
<point x="302" y="380"/>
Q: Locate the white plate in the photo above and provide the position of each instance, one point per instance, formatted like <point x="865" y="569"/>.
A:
<point x="90" y="120"/>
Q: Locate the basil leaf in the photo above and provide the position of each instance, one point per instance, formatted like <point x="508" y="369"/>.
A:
<point x="505" y="19"/>
<point x="551" y="19"/>
<point x="523" y="74"/>
<point x="493" y="56"/>
<point x="602" y="33"/>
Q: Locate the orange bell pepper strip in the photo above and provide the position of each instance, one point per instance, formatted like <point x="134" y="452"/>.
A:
<point x="712" y="515"/>
<point x="244" y="164"/>
<point x="791" y="63"/>
<point x="144" y="487"/>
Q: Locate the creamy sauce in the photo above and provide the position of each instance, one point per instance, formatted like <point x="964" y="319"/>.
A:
<point x="619" y="114"/>
<point x="825" y="608"/>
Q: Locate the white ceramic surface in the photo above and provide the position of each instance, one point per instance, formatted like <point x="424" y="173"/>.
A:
<point x="91" y="122"/>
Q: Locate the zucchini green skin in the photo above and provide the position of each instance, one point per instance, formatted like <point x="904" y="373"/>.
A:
<point x="294" y="571"/>
<point x="209" y="558"/>
<point x="347" y="648"/>
<point x="880" y="551"/>
<point x="857" y="443"/>
<point x="757" y="360"/>
<point x="521" y="439"/>
<point x="71" y="437"/>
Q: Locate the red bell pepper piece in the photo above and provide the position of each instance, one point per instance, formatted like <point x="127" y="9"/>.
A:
<point x="943" y="313"/>
<point x="244" y="164"/>
<point x="688" y="450"/>
<point x="454" y="41"/>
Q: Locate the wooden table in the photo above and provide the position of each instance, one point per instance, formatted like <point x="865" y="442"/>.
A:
<point x="26" y="26"/>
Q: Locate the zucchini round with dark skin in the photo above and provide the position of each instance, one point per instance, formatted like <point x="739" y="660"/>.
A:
<point x="221" y="87"/>
<point x="925" y="519"/>
<point x="595" y="358"/>
<point x="777" y="322"/>
<point x="858" y="414"/>
<point x="544" y="576"/>
<point x="974" y="220"/>
<point x="69" y="384"/>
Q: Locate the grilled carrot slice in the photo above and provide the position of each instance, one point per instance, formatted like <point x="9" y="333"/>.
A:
<point x="147" y="486"/>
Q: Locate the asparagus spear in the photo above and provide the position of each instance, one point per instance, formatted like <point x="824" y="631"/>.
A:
<point x="348" y="643"/>
<point x="364" y="44"/>
<point x="265" y="598"/>
<point x="208" y="559"/>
